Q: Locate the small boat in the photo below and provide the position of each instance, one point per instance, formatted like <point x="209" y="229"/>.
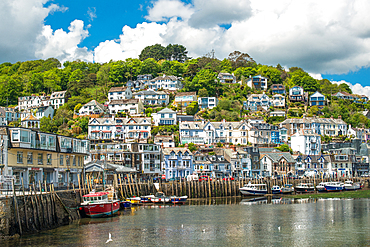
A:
<point x="276" y="189"/>
<point x="126" y="204"/>
<point x="99" y="205"/>
<point x="178" y="199"/>
<point x="334" y="186"/>
<point x="253" y="189"/>
<point x="321" y="187"/>
<point x="134" y="200"/>
<point x="147" y="199"/>
<point x="160" y="197"/>
<point x="349" y="185"/>
<point x="287" y="189"/>
<point x="304" y="188"/>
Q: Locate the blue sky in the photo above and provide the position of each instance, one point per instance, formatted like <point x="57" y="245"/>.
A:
<point x="314" y="35"/>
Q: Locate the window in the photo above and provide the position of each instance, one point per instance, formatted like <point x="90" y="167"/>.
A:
<point x="24" y="136"/>
<point x="74" y="160"/>
<point x="67" y="160"/>
<point x="30" y="158"/>
<point x="15" y="136"/>
<point x="40" y="159"/>
<point x="48" y="159"/>
<point x="20" y="157"/>
<point x="61" y="161"/>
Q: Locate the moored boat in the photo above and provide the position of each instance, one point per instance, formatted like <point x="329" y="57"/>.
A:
<point x="275" y="189"/>
<point x="287" y="189"/>
<point x="350" y="185"/>
<point x="134" y="200"/>
<point x="321" y="187"/>
<point x="160" y="197"/>
<point x="98" y="205"/>
<point x="304" y="188"/>
<point x="147" y="199"/>
<point x="253" y="189"/>
<point x="334" y="186"/>
<point x="178" y="199"/>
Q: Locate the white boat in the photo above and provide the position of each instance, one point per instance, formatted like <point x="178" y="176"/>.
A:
<point x="321" y="187"/>
<point x="276" y="189"/>
<point x="334" y="186"/>
<point x="304" y="188"/>
<point x="253" y="189"/>
<point x="287" y="189"/>
<point x="160" y="197"/>
<point x="349" y="185"/>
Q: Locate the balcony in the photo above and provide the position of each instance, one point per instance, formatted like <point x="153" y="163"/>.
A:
<point x="186" y="157"/>
<point x="172" y="157"/>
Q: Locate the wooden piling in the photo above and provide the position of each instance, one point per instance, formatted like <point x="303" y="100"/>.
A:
<point x="16" y="213"/>
<point x="25" y="206"/>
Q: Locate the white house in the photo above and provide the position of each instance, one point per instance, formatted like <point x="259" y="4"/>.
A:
<point x="258" y="100"/>
<point x="57" y="99"/>
<point x="297" y="94"/>
<point x="226" y="78"/>
<point x="45" y="111"/>
<point x="207" y="102"/>
<point x="164" y="141"/>
<point x="258" y="82"/>
<point x="165" y="82"/>
<point x="92" y="107"/>
<point x="213" y="132"/>
<point x="132" y="106"/>
<point x="165" y="117"/>
<point x="306" y="142"/>
<point x="359" y="133"/>
<point x="150" y="97"/>
<point x="116" y="93"/>
<point x="185" y="99"/>
<point x="278" y="100"/>
<point x="126" y="129"/>
<point x="26" y="102"/>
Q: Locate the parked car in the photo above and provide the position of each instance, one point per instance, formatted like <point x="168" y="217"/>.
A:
<point x="193" y="177"/>
<point x="204" y="178"/>
<point x="228" y="178"/>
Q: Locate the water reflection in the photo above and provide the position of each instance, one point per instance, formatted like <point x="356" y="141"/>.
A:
<point x="222" y="222"/>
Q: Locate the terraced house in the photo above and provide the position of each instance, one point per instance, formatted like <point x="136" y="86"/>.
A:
<point x="145" y="158"/>
<point x="214" y="132"/>
<point x="34" y="156"/>
<point x="123" y="129"/>
<point x="321" y="126"/>
<point x="178" y="163"/>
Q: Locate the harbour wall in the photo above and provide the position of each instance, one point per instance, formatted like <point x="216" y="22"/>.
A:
<point x="33" y="212"/>
<point x="208" y="189"/>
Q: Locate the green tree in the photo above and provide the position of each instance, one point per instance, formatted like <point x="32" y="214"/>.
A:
<point x="206" y="78"/>
<point x="157" y="52"/>
<point x="203" y="92"/>
<point x="150" y="66"/>
<point x="192" y="108"/>
<point x="192" y="147"/>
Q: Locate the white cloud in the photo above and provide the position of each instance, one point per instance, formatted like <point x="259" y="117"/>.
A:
<point x="131" y="42"/>
<point x="356" y="89"/>
<point x="165" y="9"/>
<point x="64" y="45"/>
<point x="91" y="13"/>
<point x="21" y="22"/>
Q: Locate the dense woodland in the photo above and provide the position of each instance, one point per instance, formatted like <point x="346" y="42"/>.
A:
<point x="86" y="81"/>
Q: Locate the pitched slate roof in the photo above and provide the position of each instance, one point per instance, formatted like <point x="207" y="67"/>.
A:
<point x="168" y="151"/>
<point x="117" y="89"/>
<point x="166" y="110"/>
<point x="123" y="101"/>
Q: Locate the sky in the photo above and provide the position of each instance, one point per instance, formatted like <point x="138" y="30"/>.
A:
<point x="328" y="38"/>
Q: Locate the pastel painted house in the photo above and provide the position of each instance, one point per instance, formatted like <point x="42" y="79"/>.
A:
<point x="165" y="117"/>
<point x="178" y="163"/>
<point x="317" y="99"/>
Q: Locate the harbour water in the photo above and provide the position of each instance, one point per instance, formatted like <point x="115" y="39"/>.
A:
<point x="227" y="222"/>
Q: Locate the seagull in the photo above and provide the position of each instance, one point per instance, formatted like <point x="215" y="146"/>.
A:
<point x="110" y="238"/>
<point x="279" y="228"/>
<point x="182" y="225"/>
<point x="204" y="230"/>
<point x="332" y="221"/>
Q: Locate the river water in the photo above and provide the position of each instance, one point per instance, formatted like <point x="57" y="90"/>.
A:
<point x="227" y="222"/>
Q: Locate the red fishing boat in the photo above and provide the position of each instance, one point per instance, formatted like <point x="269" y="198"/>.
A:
<point x="100" y="204"/>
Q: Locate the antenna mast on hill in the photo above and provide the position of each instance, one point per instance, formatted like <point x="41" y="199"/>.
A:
<point x="213" y="53"/>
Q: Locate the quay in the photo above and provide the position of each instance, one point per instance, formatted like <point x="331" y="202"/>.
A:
<point x="41" y="207"/>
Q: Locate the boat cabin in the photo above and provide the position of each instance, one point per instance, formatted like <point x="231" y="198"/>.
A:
<point x="99" y="196"/>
